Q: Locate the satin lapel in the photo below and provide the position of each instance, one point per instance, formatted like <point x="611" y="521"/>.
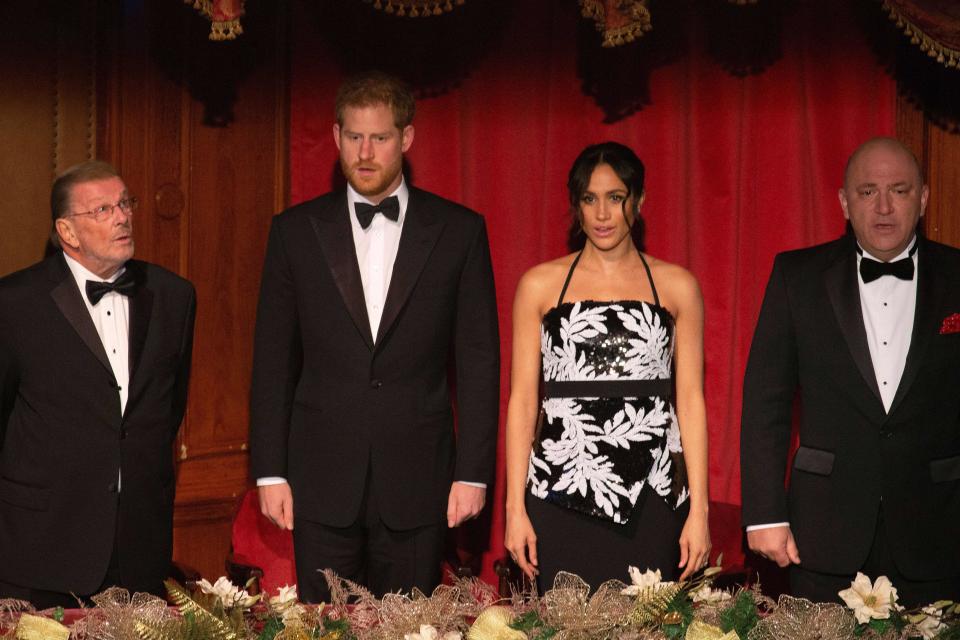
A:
<point x="841" y="282"/>
<point x="930" y="291"/>
<point x="336" y="240"/>
<point x="421" y="229"/>
<point x="141" y="307"/>
<point x="68" y="299"/>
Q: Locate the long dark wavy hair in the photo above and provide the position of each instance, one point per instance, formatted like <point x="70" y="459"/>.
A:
<point x="628" y="168"/>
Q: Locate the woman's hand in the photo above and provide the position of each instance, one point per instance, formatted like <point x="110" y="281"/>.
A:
<point x="694" y="543"/>
<point x="521" y="542"/>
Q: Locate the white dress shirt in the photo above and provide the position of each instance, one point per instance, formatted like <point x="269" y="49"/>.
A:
<point x="111" y="317"/>
<point x="376" y="247"/>
<point x="888" y="305"/>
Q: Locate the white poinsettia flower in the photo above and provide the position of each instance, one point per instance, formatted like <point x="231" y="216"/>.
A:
<point x="229" y="594"/>
<point x="649" y="579"/>
<point x="286" y="595"/>
<point x="707" y="595"/>
<point x="870" y="600"/>
<point x="931" y="623"/>
<point x="429" y="632"/>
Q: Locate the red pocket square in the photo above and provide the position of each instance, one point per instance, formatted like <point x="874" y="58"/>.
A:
<point x="951" y="324"/>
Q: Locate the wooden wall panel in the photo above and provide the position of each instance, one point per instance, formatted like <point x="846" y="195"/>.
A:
<point x="47" y="114"/>
<point x="198" y="130"/>
<point x="938" y="149"/>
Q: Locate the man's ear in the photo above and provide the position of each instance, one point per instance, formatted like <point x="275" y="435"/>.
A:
<point x="68" y="238"/>
<point x="336" y="135"/>
<point x="843" y="203"/>
<point x="406" y="138"/>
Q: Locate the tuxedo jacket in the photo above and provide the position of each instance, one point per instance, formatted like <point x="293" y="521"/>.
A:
<point x="64" y="439"/>
<point x="810" y="343"/>
<point x="333" y="407"/>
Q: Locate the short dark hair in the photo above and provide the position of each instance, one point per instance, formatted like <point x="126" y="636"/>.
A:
<point x="373" y="88"/>
<point x="89" y="171"/>
<point x="628" y="167"/>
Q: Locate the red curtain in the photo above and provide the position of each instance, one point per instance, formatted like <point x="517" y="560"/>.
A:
<point x="744" y="121"/>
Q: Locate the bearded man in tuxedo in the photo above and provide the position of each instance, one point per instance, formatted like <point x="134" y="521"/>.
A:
<point x="367" y="295"/>
<point x="866" y="328"/>
<point x="95" y="352"/>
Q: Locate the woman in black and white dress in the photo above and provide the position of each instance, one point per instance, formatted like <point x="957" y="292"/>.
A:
<point x="616" y="474"/>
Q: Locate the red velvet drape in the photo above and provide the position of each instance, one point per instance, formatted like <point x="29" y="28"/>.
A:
<point x="739" y="167"/>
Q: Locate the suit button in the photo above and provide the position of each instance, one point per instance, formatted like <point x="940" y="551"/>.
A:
<point x="376" y="384"/>
<point x="886" y="433"/>
<point x="112" y="487"/>
<point x="123" y="433"/>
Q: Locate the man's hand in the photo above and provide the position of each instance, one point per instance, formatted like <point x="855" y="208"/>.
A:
<point x="276" y="502"/>
<point x="465" y="502"/>
<point x="774" y="543"/>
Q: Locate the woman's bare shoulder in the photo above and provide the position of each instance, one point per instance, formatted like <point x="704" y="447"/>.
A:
<point x="542" y="283"/>
<point x="674" y="282"/>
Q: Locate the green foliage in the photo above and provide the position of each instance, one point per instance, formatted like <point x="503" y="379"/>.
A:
<point x="58" y="614"/>
<point x="339" y="628"/>
<point x="531" y="623"/>
<point x="271" y="628"/>
<point x="680" y="605"/>
<point x="741" y="616"/>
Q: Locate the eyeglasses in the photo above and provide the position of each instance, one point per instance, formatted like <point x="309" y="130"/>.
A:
<point x="105" y="211"/>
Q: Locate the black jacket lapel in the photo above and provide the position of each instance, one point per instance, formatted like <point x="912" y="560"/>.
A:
<point x="930" y="293"/>
<point x="336" y="240"/>
<point x="141" y="307"/>
<point x="841" y="282"/>
<point x="68" y="299"/>
<point x="421" y="229"/>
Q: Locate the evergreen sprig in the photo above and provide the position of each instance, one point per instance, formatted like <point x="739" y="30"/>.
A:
<point x="741" y="616"/>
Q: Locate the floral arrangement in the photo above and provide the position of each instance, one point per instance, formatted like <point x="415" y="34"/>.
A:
<point x="647" y="608"/>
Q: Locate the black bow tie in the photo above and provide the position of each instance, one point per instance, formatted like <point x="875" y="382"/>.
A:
<point x="124" y="285"/>
<point x="870" y="270"/>
<point x="389" y="207"/>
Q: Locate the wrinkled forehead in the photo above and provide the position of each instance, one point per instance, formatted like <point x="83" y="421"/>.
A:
<point x="97" y="190"/>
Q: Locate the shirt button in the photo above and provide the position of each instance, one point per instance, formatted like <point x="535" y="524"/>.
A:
<point x="108" y="313"/>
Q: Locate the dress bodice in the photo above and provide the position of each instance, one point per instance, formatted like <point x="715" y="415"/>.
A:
<point x="609" y="428"/>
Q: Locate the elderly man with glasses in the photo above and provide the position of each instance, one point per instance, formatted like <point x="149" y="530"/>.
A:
<point x="94" y="363"/>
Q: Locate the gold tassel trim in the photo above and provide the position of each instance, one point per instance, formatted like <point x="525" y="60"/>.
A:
<point x="219" y="29"/>
<point x="416" y="8"/>
<point x="943" y="54"/>
<point x="638" y="24"/>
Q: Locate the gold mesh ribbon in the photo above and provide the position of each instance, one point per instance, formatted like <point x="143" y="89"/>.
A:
<point x="224" y="16"/>
<point x="932" y="25"/>
<point x="33" y="627"/>
<point x="10" y="611"/>
<point x="118" y="616"/>
<point x="800" y="619"/>
<point x="416" y="8"/>
<point x="699" y="630"/>
<point x="620" y="21"/>
<point x="568" y="606"/>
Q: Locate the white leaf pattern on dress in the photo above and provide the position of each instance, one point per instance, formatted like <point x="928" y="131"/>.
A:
<point x="578" y="461"/>
<point x="651" y="354"/>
